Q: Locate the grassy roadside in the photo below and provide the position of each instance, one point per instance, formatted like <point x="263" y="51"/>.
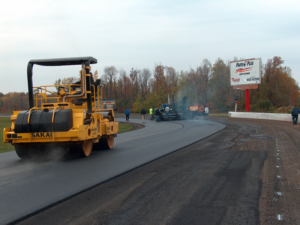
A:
<point x="123" y="127"/>
<point x="5" y="119"/>
<point x="131" y="113"/>
<point x="219" y="114"/>
<point x="4" y="147"/>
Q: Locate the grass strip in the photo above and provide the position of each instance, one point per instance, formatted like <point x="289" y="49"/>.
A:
<point x="4" y="147"/>
<point x="5" y="119"/>
<point x="218" y="114"/>
<point x="123" y="127"/>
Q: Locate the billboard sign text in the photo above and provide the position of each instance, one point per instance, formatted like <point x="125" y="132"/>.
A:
<point x="245" y="72"/>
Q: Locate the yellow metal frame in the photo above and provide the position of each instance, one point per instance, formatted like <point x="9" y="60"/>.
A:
<point x="99" y="127"/>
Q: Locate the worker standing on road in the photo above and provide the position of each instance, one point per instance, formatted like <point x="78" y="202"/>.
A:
<point x="157" y="113"/>
<point x="151" y="113"/>
<point x="127" y="113"/>
<point x="206" y="111"/>
<point x="143" y="113"/>
<point x="295" y="113"/>
<point x="167" y="109"/>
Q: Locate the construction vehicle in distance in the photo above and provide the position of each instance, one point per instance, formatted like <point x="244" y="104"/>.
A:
<point x="109" y="104"/>
<point x="71" y="121"/>
<point x="197" y="110"/>
<point x="177" y="111"/>
<point x="182" y="110"/>
<point x="173" y="115"/>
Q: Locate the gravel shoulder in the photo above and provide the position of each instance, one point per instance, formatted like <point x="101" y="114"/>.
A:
<point x="246" y="174"/>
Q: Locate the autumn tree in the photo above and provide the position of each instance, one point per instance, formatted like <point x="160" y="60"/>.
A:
<point x="220" y="85"/>
<point x="95" y="75"/>
<point x="143" y="79"/>
<point x="171" y="80"/>
<point x="69" y="80"/>
<point x="203" y="72"/>
<point x="1" y="101"/>
<point x="127" y="86"/>
<point x="57" y="82"/>
<point x="159" y="84"/>
<point x="277" y="84"/>
<point x="195" y="84"/>
<point x="183" y="86"/>
<point x="110" y="73"/>
<point x="14" y="101"/>
<point x="134" y="73"/>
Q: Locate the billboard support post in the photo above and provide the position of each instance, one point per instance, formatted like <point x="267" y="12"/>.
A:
<point x="247" y="100"/>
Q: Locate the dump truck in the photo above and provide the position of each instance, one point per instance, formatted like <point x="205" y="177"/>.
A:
<point x="109" y="104"/>
<point x="70" y="120"/>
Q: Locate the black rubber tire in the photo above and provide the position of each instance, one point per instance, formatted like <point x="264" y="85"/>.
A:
<point x="102" y="144"/>
<point x="22" y="152"/>
<point x="29" y="151"/>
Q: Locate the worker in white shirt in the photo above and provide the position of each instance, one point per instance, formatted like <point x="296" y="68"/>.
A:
<point x="206" y="111"/>
<point x="167" y="109"/>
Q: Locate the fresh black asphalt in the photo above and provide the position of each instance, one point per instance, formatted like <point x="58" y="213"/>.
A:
<point x="28" y="186"/>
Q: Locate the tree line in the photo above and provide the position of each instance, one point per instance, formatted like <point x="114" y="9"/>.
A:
<point x="208" y="84"/>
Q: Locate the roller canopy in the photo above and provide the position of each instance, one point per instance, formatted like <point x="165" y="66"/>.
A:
<point x="59" y="62"/>
<point x="63" y="61"/>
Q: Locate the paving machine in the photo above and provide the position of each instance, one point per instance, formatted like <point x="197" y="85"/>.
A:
<point x="182" y="110"/>
<point x="178" y="110"/>
<point x="197" y="110"/>
<point x="69" y="120"/>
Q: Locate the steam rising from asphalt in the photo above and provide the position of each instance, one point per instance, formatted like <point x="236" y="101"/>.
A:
<point x="56" y="153"/>
<point x="192" y="96"/>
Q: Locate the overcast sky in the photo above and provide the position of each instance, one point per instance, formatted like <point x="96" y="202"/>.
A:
<point x="140" y="34"/>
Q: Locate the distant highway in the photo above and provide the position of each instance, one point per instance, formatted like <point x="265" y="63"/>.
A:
<point x="5" y="115"/>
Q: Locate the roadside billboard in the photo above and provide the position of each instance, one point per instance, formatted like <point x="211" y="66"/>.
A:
<point x="245" y="72"/>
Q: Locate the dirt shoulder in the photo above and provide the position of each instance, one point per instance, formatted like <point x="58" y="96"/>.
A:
<point x="279" y="201"/>
<point x="246" y="174"/>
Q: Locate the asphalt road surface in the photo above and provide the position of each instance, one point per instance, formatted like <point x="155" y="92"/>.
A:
<point x="248" y="173"/>
<point x="29" y="186"/>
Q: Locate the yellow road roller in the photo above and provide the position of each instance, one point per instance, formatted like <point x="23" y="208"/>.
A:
<point x="70" y="119"/>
